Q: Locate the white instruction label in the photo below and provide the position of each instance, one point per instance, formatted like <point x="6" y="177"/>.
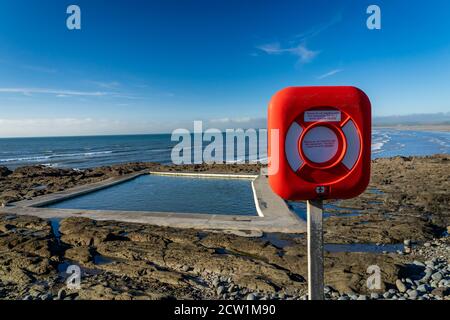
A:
<point x="322" y="116"/>
<point x="320" y="144"/>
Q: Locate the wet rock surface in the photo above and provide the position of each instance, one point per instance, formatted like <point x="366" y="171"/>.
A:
<point x="407" y="200"/>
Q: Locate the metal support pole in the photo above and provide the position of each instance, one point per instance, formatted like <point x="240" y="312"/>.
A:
<point x="315" y="250"/>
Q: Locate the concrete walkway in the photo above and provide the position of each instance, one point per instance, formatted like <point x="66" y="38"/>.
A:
<point x="273" y="213"/>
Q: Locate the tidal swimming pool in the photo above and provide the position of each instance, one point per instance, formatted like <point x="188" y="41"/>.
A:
<point x="170" y="194"/>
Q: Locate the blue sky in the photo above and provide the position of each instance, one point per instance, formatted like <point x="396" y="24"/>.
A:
<point x="151" y="66"/>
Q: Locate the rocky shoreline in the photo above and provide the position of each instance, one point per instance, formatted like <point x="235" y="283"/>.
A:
<point x="407" y="202"/>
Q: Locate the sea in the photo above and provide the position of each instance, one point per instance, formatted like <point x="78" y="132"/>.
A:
<point x="94" y="151"/>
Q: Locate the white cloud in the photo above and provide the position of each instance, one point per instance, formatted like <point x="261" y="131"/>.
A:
<point x="38" y="127"/>
<point x="329" y="74"/>
<point x="318" y="29"/>
<point x="300" y="50"/>
<point x="304" y="54"/>
<point x="28" y="91"/>
<point x="106" y="85"/>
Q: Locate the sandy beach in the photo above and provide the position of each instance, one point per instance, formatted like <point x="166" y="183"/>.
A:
<point x="407" y="202"/>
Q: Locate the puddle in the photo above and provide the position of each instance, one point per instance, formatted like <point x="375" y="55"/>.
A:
<point x="363" y="247"/>
<point x="277" y="240"/>
<point x="56" y="224"/>
<point x="221" y="251"/>
<point x="102" y="260"/>
<point x="374" y="191"/>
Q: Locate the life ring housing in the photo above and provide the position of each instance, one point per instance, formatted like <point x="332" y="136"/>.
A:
<point x="324" y="142"/>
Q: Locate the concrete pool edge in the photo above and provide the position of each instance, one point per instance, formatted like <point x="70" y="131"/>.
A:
<point x="273" y="213"/>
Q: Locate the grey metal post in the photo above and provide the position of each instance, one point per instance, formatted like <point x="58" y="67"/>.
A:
<point x="315" y="249"/>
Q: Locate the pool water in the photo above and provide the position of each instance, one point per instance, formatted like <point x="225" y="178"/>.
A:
<point x="170" y="194"/>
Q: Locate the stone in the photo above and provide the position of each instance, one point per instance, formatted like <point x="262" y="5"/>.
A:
<point x="61" y="294"/>
<point x="400" y="286"/>
<point x="362" y="297"/>
<point x="427" y="244"/>
<point x="436" y="276"/>
<point x="185" y="268"/>
<point x="418" y="263"/>
<point x="443" y="283"/>
<point x="422" y="288"/>
<point x="407" y="242"/>
<point x="441" y="292"/>
<point x="413" y="294"/>
<point x="374" y="296"/>
<point x="47" y="296"/>
<point x="220" y="290"/>
<point x="251" y="296"/>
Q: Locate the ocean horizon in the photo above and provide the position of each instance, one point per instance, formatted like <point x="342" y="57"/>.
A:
<point x="93" y="151"/>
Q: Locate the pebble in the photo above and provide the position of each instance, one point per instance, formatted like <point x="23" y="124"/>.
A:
<point x="422" y="288"/>
<point x="185" y="268"/>
<point x="413" y="294"/>
<point x="427" y="244"/>
<point x="418" y="263"/>
<point x="61" y="294"/>
<point x="400" y="286"/>
<point x="362" y="297"/>
<point x="429" y="263"/>
<point x="220" y="290"/>
<point x="387" y="295"/>
<point x="251" y="296"/>
<point x="436" y="276"/>
<point x="215" y="282"/>
<point x="47" y="296"/>
<point x="27" y="298"/>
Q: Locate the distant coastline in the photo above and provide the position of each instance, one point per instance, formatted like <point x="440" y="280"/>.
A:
<point x="416" y="127"/>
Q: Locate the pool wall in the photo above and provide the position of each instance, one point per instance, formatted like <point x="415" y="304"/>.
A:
<point x="273" y="213"/>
